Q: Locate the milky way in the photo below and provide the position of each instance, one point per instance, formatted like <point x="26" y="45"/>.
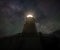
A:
<point x="12" y="15"/>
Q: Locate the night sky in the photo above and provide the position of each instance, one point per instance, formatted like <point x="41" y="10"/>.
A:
<point x="12" y="14"/>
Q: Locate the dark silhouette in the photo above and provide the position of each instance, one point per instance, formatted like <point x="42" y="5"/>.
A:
<point x="20" y="42"/>
<point x="51" y="41"/>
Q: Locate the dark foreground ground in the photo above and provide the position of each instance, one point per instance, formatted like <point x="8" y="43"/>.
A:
<point x="41" y="42"/>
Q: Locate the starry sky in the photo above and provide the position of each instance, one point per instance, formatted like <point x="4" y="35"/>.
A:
<point x="12" y="15"/>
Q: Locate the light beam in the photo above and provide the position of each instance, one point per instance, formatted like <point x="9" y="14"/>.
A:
<point x="28" y="16"/>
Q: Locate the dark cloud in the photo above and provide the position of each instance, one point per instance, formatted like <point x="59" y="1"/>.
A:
<point x="12" y="15"/>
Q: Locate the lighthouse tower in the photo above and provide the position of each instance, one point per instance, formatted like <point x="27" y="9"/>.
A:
<point x="29" y="28"/>
<point x="31" y="40"/>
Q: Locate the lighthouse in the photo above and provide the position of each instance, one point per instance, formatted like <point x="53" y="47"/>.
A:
<point x="29" y="28"/>
<point x="31" y="40"/>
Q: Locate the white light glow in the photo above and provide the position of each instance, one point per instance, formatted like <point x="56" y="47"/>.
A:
<point x="29" y="16"/>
